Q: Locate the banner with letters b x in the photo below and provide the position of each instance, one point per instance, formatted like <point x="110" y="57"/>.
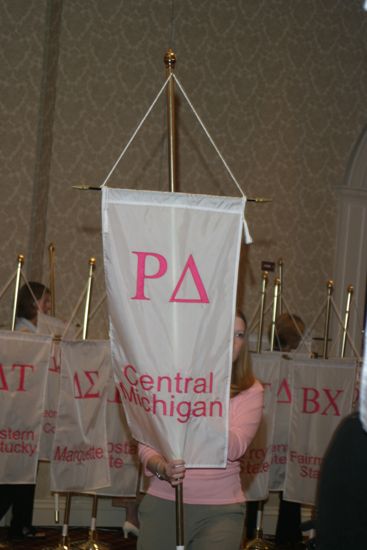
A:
<point x="171" y="264"/>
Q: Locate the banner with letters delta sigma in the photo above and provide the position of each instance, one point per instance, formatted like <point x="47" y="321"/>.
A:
<point x="171" y="263"/>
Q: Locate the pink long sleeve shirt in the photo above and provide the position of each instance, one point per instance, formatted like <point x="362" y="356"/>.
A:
<point x="217" y="485"/>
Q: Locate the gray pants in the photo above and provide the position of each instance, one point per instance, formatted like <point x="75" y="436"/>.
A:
<point x="206" y="527"/>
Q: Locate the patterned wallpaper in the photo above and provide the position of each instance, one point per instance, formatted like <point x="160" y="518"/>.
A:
<point x="280" y="85"/>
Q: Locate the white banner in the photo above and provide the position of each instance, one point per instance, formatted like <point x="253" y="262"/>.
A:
<point x="123" y="459"/>
<point x="322" y="394"/>
<point x="79" y="455"/>
<point x="51" y="403"/>
<point x="258" y="460"/>
<point x="24" y="360"/>
<point x="171" y="263"/>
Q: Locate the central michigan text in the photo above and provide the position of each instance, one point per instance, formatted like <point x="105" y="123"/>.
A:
<point x="166" y="397"/>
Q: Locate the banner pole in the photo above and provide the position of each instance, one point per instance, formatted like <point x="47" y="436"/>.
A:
<point x="330" y="288"/>
<point x="277" y="284"/>
<point x="264" y="283"/>
<point x="350" y="291"/>
<point x="92" y="265"/>
<point x="16" y="291"/>
<point x="258" y="543"/>
<point x="281" y="277"/>
<point x="51" y="260"/>
<point x="170" y="61"/>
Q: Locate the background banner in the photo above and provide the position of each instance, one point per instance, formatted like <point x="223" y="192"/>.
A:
<point x="258" y="460"/>
<point x="322" y="394"/>
<point x="122" y="449"/>
<point x="305" y="399"/>
<point x="79" y="455"/>
<point x="51" y="403"/>
<point x="171" y="263"/>
<point x="24" y="360"/>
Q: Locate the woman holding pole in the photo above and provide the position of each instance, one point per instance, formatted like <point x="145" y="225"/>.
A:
<point x="214" y="503"/>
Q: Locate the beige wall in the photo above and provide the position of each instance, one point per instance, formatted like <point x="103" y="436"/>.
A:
<point x="280" y="85"/>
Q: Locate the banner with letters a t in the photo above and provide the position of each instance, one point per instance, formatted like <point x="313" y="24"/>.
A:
<point x="80" y="455"/>
<point x="171" y="264"/>
<point x="24" y="360"/>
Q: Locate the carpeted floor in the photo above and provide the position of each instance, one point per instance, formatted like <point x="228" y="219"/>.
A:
<point x="107" y="539"/>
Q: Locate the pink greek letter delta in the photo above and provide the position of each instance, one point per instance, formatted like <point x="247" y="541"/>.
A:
<point x="161" y="271"/>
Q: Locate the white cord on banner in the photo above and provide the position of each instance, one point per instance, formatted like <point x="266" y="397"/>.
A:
<point x="248" y="238"/>
<point x="208" y="135"/>
<point x="75" y="310"/>
<point x="92" y="314"/>
<point x="6" y="286"/>
<point x="136" y="131"/>
<point x="347" y="333"/>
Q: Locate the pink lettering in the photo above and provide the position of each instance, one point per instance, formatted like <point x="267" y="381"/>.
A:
<point x="141" y="274"/>
<point x="203" y="297"/>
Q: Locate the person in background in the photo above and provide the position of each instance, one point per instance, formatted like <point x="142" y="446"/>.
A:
<point x="213" y="498"/>
<point x="288" y="333"/>
<point x="28" y="307"/>
<point x="20" y="497"/>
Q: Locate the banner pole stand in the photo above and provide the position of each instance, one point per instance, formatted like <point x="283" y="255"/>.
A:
<point x="258" y="543"/>
<point x="64" y="544"/>
<point x="91" y="543"/>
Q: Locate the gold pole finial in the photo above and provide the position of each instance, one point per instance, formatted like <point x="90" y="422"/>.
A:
<point x="170" y="58"/>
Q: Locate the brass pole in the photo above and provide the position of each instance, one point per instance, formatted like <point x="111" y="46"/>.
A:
<point x="330" y="288"/>
<point x="92" y="265"/>
<point x="57" y="507"/>
<point x="92" y="542"/>
<point x="51" y="260"/>
<point x="274" y="314"/>
<point x="280" y="272"/>
<point x="258" y="543"/>
<point x="265" y="277"/>
<point x="170" y="61"/>
<point x="350" y="291"/>
<point x="64" y="543"/>
<point x="16" y="291"/>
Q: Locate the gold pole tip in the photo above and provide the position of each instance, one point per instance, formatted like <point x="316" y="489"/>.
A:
<point x="20" y="258"/>
<point x="280" y="261"/>
<point x="92" y="261"/>
<point x="265" y="275"/>
<point x="169" y="58"/>
<point x="330" y="284"/>
<point x="277" y="281"/>
<point x="350" y="289"/>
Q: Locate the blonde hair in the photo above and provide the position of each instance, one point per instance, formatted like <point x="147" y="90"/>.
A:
<point x="242" y="375"/>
